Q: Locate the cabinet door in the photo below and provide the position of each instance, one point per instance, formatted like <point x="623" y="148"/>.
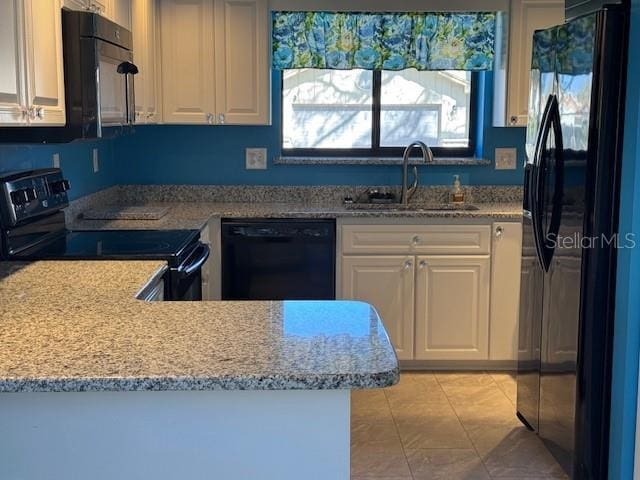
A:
<point x="242" y="54"/>
<point x="151" y="100"/>
<point x="45" y="77"/>
<point x="452" y="308"/>
<point x="187" y="48"/>
<point x="506" y="254"/>
<point x="526" y="17"/>
<point x="77" y="4"/>
<point x="12" y="94"/>
<point x="386" y="282"/>
<point x="144" y="54"/>
<point x="119" y="11"/>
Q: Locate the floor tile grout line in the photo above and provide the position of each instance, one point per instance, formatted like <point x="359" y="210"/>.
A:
<point x="466" y="432"/>
<point x="395" y="424"/>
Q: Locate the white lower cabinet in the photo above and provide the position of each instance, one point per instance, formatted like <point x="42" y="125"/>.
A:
<point x="387" y="283"/>
<point x="452" y="308"/>
<point x="448" y="293"/>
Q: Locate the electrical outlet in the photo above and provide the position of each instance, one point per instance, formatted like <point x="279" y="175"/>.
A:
<point x="255" y="158"/>
<point x="96" y="160"/>
<point x="506" y="158"/>
<point x="55" y="161"/>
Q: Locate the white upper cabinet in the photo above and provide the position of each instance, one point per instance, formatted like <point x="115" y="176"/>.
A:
<point x="511" y="100"/>
<point x="187" y="52"/>
<point x="31" y="68"/>
<point x="242" y="62"/>
<point x="215" y="61"/>
<point x="144" y="56"/>
<point x="12" y="94"/>
<point x="118" y="11"/>
<point x="45" y="72"/>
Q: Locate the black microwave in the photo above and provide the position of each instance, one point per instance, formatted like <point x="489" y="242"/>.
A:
<point x="98" y="82"/>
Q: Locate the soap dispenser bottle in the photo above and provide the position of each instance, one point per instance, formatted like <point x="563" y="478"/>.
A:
<point x="457" y="194"/>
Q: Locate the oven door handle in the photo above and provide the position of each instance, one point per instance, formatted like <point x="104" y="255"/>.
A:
<point x="195" y="260"/>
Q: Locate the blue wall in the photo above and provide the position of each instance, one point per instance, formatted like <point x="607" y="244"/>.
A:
<point x="627" y="327"/>
<point x="215" y="155"/>
<point x="75" y="160"/>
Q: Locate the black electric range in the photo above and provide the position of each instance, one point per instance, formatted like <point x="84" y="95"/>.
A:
<point x="33" y="228"/>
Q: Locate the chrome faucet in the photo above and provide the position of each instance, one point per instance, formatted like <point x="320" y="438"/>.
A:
<point x="427" y="157"/>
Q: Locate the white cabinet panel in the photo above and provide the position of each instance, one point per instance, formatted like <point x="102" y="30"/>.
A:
<point x="119" y="11"/>
<point x="525" y="17"/>
<point x="45" y="76"/>
<point x="386" y="282"/>
<point x="144" y="56"/>
<point x="12" y="94"/>
<point x="416" y="239"/>
<point x="242" y="70"/>
<point x="187" y="50"/>
<point x="452" y="308"/>
<point x="31" y="69"/>
<point x="505" y="290"/>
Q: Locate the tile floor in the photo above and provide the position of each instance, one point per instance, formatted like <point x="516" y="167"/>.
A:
<point x="442" y="425"/>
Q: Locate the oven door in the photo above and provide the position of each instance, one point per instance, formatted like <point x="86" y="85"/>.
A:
<point x="185" y="281"/>
<point x="115" y="89"/>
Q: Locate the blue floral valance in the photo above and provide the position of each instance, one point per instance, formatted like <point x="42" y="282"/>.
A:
<point x="383" y="41"/>
<point x="566" y="49"/>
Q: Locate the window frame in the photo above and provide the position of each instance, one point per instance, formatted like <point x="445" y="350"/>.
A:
<point x="376" y="151"/>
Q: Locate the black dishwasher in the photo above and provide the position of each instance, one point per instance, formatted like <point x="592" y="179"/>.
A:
<point x="278" y="259"/>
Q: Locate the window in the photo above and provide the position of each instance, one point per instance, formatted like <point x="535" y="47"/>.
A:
<point x="373" y="113"/>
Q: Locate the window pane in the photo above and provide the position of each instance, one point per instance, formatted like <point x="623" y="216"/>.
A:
<point x="428" y="106"/>
<point x="327" y="108"/>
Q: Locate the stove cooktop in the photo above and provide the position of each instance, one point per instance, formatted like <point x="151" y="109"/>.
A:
<point x="167" y="245"/>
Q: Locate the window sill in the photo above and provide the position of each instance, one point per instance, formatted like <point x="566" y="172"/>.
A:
<point x="462" y="161"/>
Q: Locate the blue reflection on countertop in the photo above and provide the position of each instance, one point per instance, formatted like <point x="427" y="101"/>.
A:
<point x="328" y="318"/>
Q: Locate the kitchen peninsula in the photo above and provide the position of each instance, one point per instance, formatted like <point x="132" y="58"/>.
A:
<point x="95" y="383"/>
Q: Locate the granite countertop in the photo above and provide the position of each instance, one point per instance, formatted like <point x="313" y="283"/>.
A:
<point x="194" y="215"/>
<point x="61" y="334"/>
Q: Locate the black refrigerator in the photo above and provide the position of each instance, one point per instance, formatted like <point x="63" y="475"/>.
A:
<point x="570" y="218"/>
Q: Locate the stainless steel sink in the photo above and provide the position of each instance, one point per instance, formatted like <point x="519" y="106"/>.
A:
<point x="411" y="207"/>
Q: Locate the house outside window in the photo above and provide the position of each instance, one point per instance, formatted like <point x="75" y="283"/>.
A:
<point x="377" y="113"/>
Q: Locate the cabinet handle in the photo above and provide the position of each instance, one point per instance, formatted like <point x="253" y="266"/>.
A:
<point x="513" y="120"/>
<point x="415" y="240"/>
<point x="499" y="231"/>
<point x="408" y="264"/>
<point x="209" y="118"/>
<point x="422" y="264"/>
<point x="40" y="112"/>
<point x="24" y="111"/>
<point x="149" y="115"/>
<point x="221" y="118"/>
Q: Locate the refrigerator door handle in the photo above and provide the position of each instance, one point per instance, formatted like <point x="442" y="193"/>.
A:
<point x="547" y="240"/>
<point x="536" y="184"/>
<point x="551" y="237"/>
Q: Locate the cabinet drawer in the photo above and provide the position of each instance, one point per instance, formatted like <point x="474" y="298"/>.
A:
<point x="417" y="239"/>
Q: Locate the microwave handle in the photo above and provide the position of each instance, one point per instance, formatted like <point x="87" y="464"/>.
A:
<point x="129" y="69"/>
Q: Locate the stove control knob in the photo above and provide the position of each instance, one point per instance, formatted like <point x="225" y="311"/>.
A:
<point x="31" y="194"/>
<point x="59" y="186"/>
<point x="26" y="195"/>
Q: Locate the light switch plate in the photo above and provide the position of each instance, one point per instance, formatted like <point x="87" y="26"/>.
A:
<point x="255" y="158"/>
<point x="55" y="160"/>
<point x="96" y="160"/>
<point x="506" y="158"/>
